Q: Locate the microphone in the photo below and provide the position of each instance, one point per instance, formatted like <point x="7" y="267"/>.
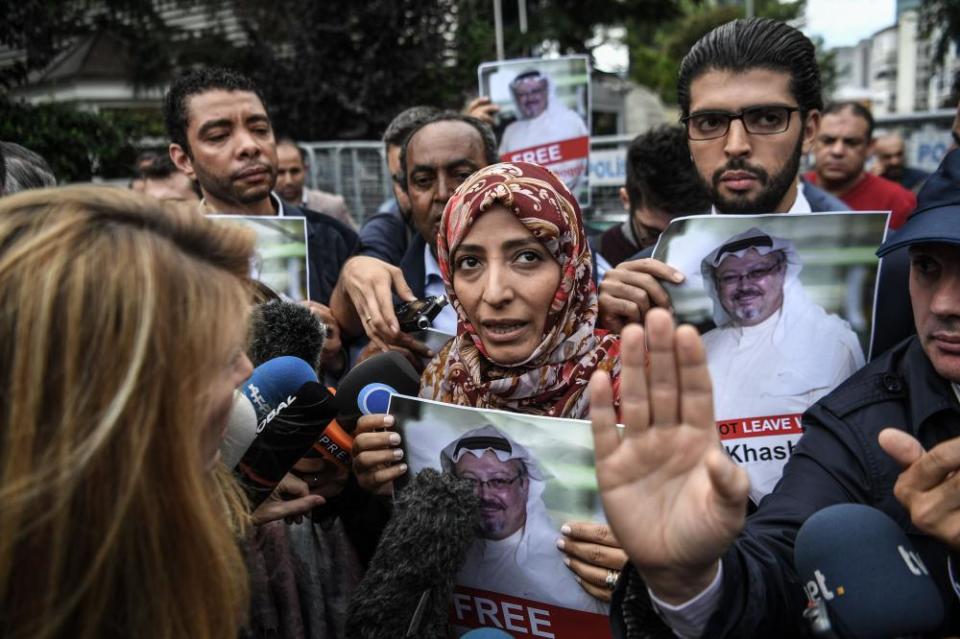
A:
<point x="279" y="328"/>
<point x="241" y="430"/>
<point x="410" y="580"/>
<point x="366" y="389"/>
<point x="862" y="576"/>
<point x="277" y="379"/>
<point x="292" y="410"/>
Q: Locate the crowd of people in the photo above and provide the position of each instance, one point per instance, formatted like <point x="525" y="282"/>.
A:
<point x="126" y="317"/>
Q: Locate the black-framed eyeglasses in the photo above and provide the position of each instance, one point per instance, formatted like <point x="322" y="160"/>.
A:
<point x="497" y="483"/>
<point x="753" y="276"/>
<point x="758" y="120"/>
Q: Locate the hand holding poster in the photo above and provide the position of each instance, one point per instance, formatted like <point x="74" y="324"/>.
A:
<point x="545" y="108"/>
<point x="531" y="474"/>
<point x="785" y="305"/>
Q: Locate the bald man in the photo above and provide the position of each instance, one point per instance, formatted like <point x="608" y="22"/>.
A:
<point x="889" y="155"/>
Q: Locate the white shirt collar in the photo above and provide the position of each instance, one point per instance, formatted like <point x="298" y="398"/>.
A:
<point x="431" y="269"/>
<point x="279" y="202"/>
<point x="800" y="203"/>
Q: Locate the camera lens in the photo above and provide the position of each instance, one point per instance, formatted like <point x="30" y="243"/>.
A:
<point x="423" y="323"/>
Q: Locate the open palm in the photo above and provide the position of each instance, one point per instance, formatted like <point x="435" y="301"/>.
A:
<point x="671" y="495"/>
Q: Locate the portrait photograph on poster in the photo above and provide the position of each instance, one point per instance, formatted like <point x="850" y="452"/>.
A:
<point x="785" y="305"/>
<point x="282" y="257"/>
<point x="544" y="114"/>
<point x="531" y="474"/>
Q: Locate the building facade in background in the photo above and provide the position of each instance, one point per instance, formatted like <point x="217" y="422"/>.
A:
<point x="893" y="70"/>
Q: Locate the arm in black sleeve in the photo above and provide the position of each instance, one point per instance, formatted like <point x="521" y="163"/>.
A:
<point x="383" y="236"/>
<point x="762" y="594"/>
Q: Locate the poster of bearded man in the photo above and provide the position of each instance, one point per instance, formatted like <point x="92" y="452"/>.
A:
<point x="544" y="115"/>
<point x="532" y="474"/>
<point x="785" y="305"/>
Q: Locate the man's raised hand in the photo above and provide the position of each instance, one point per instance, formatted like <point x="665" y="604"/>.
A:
<point x="672" y="496"/>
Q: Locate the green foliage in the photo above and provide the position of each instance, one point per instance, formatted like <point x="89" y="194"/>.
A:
<point x="336" y="69"/>
<point x="655" y="55"/>
<point x="940" y="18"/>
<point x="77" y="144"/>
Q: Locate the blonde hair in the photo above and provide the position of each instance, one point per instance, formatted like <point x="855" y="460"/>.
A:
<point x="115" y="315"/>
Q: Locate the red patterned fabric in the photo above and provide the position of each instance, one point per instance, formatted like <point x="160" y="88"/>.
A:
<point x="553" y="380"/>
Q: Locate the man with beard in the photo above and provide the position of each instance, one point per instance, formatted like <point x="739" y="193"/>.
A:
<point x="888" y="438"/>
<point x="890" y="162"/>
<point x="221" y="136"/>
<point x="543" y="119"/>
<point x="774" y="351"/>
<point x="516" y="554"/>
<point x="750" y="96"/>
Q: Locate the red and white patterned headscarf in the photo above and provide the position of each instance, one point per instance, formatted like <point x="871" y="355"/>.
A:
<point x="553" y="380"/>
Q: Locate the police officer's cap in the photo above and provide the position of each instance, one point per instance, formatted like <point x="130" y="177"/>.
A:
<point x="937" y="217"/>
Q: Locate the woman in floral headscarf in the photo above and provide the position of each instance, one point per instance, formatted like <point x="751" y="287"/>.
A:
<point x="517" y="269"/>
<point x="546" y="371"/>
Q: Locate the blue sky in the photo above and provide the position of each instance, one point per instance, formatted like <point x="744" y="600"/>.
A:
<point x="846" y="22"/>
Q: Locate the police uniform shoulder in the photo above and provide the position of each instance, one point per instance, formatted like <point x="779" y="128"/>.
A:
<point x="877" y="382"/>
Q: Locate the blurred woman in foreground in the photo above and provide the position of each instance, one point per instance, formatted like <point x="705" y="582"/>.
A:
<point x="122" y="329"/>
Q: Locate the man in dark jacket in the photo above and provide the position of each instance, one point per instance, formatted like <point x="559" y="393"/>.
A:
<point x="713" y="574"/>
<point x="222" y="137"/>
<point x="750" y="95"/>
<point x="439" y="153"/>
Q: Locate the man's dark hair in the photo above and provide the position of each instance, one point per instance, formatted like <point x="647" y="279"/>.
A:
<point x="486" y="134"/>
<point x="24" y="169"/>
<point x="858" y="110"/>
<point x="287" y="140"/>
<point x="660" y="174"/>
<point x="755" y="43"/>
<point x="144" y="158"/>
<point x="405" y="123"/>
<point x="160" y="168"/>
<point x="195" y="82"/>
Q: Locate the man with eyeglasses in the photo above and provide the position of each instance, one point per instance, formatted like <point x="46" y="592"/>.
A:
<point x="516" y="554"/>
<point x="543" y="118"/>
<point x="774" y="351"/>
<point x="661" y="184"/>
<point x="750" y="95"/>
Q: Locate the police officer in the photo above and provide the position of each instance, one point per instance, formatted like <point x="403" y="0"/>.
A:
<point x="888" y="437"/>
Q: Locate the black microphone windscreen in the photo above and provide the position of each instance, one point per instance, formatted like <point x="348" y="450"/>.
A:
<point x="857" y="561"/>
<point x="290" y="432"/>
<point x="280" y="328"/>
<point x="367" y="387"/>
<point x="423" y="547"/>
